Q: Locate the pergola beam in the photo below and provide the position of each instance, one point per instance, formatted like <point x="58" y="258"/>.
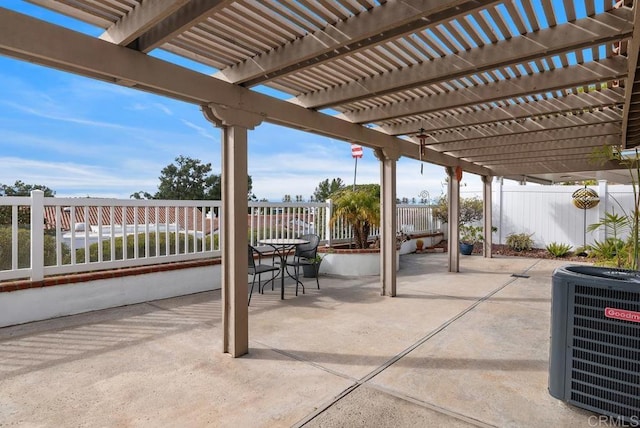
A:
<point x="525" y="126"/>
<point x="632" y="97"/>
<point x="568" y="155"/>
<point x="530" y="137"/>
<point x="580" y="34"/>
<point x="47" y="44"/>
<point x="573" y="76"/>
<point x="541" y="146"/>
<point x="141" y="19"/>
<point x="388" y="21"/>
<point x="190" y="14"/>
<point x="535" y="156"/>
<point x="553" y="166"/>
<point x="73" y="12"/>
<point x="571" y="103"/>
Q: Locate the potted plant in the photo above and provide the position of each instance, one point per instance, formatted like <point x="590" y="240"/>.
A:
<point x="469" y="235"/>
<point x="311" y="270"/>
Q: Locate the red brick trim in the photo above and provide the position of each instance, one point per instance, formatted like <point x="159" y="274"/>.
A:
<point x="104" y="274"/>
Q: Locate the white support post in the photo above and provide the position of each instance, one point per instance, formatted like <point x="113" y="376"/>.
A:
<point x="603" y="205"/>
<point x="234" y="229"/>
<point x="500" y="204"/>
<point x="453" y="193"/>
<point x="327" y="221"/>
<point x="37" y="235"/>
<point x="388" y="219"/>
<point x="487" y="220"/>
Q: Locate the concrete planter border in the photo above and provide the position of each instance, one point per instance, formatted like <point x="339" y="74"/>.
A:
<point x="348" y="262"/>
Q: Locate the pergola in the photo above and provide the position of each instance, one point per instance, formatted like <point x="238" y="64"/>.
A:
<point x="522" y="89"/>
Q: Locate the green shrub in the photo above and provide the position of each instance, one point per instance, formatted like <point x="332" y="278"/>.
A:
<point x="188" y="243"/>
<point x="471" y="234"/>
<point x="558" y="250"/>
<point x="24" y="249"/>
<point x="520" y="241"/>
<point x="611" y="252"/>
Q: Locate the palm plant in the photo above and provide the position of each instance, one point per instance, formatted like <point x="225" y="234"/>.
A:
<point x="615" y="225"/>
<point x="613" y="250"/>
<point x="360" y="208"/>
<point x="631" y="221"/>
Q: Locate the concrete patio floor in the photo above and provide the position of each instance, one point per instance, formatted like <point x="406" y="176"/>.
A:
<point x="466" y="349"/>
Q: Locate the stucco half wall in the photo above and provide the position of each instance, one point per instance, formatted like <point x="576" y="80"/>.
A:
<point x="40" y="303"/>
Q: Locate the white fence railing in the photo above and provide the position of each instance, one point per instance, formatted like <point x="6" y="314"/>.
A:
<point x="548" y="214"/>
<point x="51" y="236"/>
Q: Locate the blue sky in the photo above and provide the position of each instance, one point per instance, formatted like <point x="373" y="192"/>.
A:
<point x="82" y="137"/>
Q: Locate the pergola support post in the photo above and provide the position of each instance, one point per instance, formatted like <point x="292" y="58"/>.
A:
<point x="453" y="195"/>
<point x="233" y="221"/>
<point x="388" y="253"/>
<point x="487" y="216"/>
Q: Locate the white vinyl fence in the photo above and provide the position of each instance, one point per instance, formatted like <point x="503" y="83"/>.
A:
<point x="548" y="212"/>
<point x="50" y="236"/>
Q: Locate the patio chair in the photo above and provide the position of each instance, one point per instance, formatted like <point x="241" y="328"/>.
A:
<point x="257" y="269"/>
<point x="305" y="255"/>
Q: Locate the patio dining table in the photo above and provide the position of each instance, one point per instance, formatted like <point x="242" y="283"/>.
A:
<point x="282" y="247"/>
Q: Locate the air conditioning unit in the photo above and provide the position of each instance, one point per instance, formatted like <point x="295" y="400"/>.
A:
<point x="594" y="359"/>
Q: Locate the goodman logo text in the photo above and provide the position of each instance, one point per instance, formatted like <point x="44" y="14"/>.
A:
<point x="621" y="314"/>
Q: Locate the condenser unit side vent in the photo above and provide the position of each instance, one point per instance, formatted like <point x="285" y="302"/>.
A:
<point x="598" y="350"/>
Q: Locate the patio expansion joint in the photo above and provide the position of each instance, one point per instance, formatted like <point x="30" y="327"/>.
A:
<point x="306" y="361"/>
<point x="367" y="378"/>
<point x="430" y="406"/>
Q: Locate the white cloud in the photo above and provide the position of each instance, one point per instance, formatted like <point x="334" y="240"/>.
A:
<point x="64" y="118"/>
<point x="139" y="106"/>
<point x="204" y="132"/>
<point x="163" y="108"/>
<point x="68" y="178"/>
<point x="55" y="133"/>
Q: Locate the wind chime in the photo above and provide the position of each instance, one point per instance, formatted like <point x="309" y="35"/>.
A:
<point x="423" y="144"/>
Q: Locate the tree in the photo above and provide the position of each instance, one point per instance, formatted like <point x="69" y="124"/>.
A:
<point x="22" y="189"/>
<point x="471" y="210"/>
<point x="326" y="188"/>
<point x="141" y="195"/>
<point x="360" y="208"/>
<point x="189" y="179"/>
